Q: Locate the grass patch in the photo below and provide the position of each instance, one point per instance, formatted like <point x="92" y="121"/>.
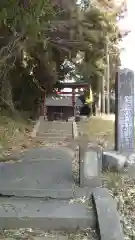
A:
<point x="100" y="131"/>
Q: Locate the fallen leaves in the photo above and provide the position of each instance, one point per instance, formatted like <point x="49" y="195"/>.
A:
<point x="32" y="234"/>
<point x="122" y="188"/>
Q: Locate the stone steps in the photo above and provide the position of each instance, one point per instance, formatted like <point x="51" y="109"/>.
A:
<point x="98" y="213"/>
<point x="48" y="215"/>
<point x="42" y="176"/>
<point x="52" y="140"/>
<point x="52" y="132"/>
<point x="48" y="153"/>
<point x="46" y="126"/>
<point x="54" y="135"/>
<point x="40" y="191"/>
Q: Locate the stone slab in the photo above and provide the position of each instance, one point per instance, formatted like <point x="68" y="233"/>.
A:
<point x="90" y="166"/>
<point x="108" y="218"/>
<point x="16" y="213"/>
<point x="47" y="153"/>
<point x="27" y="178"/>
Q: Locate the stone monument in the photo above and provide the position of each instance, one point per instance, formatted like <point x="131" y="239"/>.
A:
<point x="124" y="111"/>
<point x="118" y="159"/>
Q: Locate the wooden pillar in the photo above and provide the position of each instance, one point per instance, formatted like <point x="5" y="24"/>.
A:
<point x="73" y="100"/>
<point x="41" y="106"/>
<point x="45" y="108"/>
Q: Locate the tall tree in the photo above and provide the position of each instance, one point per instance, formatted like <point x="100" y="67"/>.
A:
<point x="103" y="33"/>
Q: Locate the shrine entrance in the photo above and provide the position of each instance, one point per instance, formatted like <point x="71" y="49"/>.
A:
<point x="65" y="103"/>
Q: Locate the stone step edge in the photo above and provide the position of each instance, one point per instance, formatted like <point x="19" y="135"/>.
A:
<point x="54" y="136"/>
<point x="61" y="194"/>
<point x="108" y="218"/>
<point x="37" y="193"/>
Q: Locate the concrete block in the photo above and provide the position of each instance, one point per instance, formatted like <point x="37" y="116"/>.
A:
<point x="108" y="218"/>
<point x="16" y="213"/>
<point x="113" y="160"/>
<point x="90" y="166"/>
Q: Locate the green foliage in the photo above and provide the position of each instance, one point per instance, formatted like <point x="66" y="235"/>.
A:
<point x="36" y="37"/>
<point x="25" y="17"/>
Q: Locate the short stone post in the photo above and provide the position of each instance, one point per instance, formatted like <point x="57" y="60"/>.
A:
<point x="90" y="166"/>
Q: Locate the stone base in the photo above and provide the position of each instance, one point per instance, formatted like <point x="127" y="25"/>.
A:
<point x="113" y="160"/>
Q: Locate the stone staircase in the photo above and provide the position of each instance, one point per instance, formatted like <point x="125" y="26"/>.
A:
<point x="40" y="192"/>
<point x="56" y="131"/>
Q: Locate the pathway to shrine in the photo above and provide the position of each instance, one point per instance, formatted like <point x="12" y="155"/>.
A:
<point x="40" y="191"/>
